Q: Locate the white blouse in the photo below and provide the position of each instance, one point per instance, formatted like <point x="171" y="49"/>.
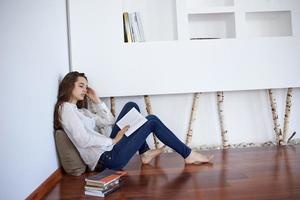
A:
<point x="82" y="127"/>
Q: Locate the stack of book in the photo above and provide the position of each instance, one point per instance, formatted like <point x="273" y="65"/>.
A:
<point x="104" y="183"/>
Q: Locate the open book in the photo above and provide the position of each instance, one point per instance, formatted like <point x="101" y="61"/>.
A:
<point x="134" y="119"/>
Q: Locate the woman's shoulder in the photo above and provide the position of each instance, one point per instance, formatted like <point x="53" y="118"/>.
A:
<point x="65" y="106"/>
<point x="68" y="104"/>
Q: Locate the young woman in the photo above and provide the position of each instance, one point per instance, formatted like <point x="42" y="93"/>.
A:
<point x="99" y="151"/>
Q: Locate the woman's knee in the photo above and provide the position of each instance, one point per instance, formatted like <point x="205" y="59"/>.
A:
<point x="152" y="122"/>
<point x="152" y="117"/>
<point x="132" y="105"/>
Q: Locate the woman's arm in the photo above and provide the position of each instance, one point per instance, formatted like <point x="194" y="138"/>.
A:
<point x="103" y="116"/>
<point x="75" y="130"/>
<point x="120" y="134"/>
<point x="93" y="96"/>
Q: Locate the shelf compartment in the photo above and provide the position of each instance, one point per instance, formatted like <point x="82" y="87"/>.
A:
<point x="158" y="18"/>
<point x="268" y="24"/>
<point x="211" y="26"/>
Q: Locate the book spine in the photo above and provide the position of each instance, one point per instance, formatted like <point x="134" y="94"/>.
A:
<point x="101" y="184"/>
<point x="88" y="187"/>
<point x="133" y="36"/>
<point x="93" y="194"/>
<point x="102" y="194"/>
<point x="140" y="26"/>
<point x="135" y="27"/>
<point x="127" y="27"/>
<point x="94" y="184"/>
<point x="124" y="29"/>
<point x="111" y="191"/>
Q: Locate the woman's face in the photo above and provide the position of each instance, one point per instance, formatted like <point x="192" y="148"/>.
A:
<point x="79" y="90"/>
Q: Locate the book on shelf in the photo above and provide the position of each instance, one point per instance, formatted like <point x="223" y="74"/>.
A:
<point x="140" y="27"/>
<point x="124" y="29"/>
<point x="131" y="24"/>
<point x="104" y="178"/>
<point x="134" y="119"/>
<point x="127" y="32"/>
<point x="134" y="26"/>
<point x="133" y="29"/>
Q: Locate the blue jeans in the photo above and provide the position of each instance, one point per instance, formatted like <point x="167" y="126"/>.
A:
<point x="125" y="149"/>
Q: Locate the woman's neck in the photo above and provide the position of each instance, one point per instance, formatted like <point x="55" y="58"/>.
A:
<point x="73" y="101"/>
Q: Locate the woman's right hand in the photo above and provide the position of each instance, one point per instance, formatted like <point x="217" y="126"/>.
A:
<point x="120" y="134"/>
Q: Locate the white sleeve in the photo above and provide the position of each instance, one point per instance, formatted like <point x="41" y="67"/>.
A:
<point x="75" y="130"/>
<point x="104" y="116"/>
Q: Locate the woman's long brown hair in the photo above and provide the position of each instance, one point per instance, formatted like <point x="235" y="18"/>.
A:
<point x="64" y="93"/>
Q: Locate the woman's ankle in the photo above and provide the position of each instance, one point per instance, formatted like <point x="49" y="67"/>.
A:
<point x="197" y="158"/>
<point x="147" y="156"/>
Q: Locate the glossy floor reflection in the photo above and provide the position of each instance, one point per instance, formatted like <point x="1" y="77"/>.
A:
<point x="250" y="173"/>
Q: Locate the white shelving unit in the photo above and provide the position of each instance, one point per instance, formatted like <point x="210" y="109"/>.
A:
<point x="212" y="18"/>
<point x="258" y="45"/>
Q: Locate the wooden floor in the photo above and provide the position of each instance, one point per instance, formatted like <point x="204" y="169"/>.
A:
<point x="250" y="173"/>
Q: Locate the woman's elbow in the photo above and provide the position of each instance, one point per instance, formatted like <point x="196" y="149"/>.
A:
<point x="82" y="144"/>
<point x="110" y="121"/>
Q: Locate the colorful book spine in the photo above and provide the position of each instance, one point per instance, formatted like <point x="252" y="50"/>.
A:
<point x="101" y="188"/>
<point x="100" y="193"/>
<point x="126" y="24"/>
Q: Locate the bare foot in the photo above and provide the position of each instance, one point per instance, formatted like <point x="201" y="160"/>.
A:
<point x="197" y="158"/>
<point x="150" y="154"/>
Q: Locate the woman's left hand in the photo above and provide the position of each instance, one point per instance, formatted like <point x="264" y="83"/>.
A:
<point x="93" y="96"/>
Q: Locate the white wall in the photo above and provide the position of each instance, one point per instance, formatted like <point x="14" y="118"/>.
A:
<point x="247" y="114"/>
<point x="34" y="57"/>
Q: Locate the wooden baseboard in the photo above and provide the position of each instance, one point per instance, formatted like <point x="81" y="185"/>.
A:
<point x="46" y="186"/>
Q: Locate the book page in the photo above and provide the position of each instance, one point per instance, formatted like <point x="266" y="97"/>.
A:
<point x="134" y="119"/>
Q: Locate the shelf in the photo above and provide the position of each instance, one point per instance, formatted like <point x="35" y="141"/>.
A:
<point x="219" y="25"/>
<point x="263" y="4"/>
<point x="268" y="24"/>
<point x="207" y="9"/>
<point x="209" y="3"/>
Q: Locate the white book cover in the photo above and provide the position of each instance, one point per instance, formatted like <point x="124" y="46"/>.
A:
<point x="94" y="194"/>
<point x="140" y="26"/>
<point x="135" y="27"/>
<point x="131" y="22"/>
<point x="134" y="119"/>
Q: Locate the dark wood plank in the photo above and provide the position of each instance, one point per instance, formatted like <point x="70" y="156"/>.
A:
<point x="250" y="173"/>
<point x="46" y="186"/>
